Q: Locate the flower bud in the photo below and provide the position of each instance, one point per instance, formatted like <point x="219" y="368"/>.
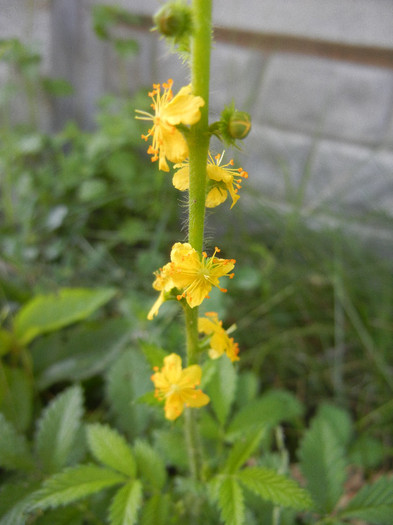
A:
<point x="173" y="19"/>
<point x="239" y="125"/>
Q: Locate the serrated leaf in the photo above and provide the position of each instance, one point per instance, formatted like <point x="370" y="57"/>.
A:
<point x="45" y="313"/>
<point x="322" y="462"/>
<point x="171" y="447"/>
<point x="14" y="449"/>
<point x="242" y="450"/>
<point x="339" y="420"/>
<point x="222" y="388"/>
<point x="155" y="510"/>
<point x="87" y="350"/>
<point x="372" y="504"/>
<point x="111" y="449"/>
<point x="267" y="411"/>
<point x="126" y="503"/>
<point x="63" y="516"/>
<point x="231" y="501"/>
<point x="127" y="380"/>
<point x="275" y="487"/>
<point x="15" y="500"/>
<point x="154" y="354"/>
<point x="16" y="397"/>
<point x="151" y="467"/>
<point x="57" y="429"/>
<point x="73" y="484"/>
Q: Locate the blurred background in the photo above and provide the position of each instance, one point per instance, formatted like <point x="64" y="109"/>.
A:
<point x="312" y="232"/>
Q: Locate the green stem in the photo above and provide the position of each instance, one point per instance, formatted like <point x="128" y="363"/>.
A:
<point x="198" y="142"/>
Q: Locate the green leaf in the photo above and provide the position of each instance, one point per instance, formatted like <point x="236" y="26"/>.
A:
<point x="230" y="501"/>
<point x="322" y="462"/>
<point x="267" y="411"/>
<point x="75" y="483"/>
<point x="16" y="397"/>
<point x="127" y="380"/>
<point x="170" y="444"/>
<point x="111" y="449"/>
<point x="62" y="516"/>
<point x="339" y="420"/>
<point x="15" y="502"/>
<point x="126" y="503"/>
<point x="242" y="450"/>
<point x="151" y="467"/>
<point x="45" y="313"/>
<point x="85" y="351"/>
<point x="222" y="388"/>
<point x="154" y="354"/>
<point x="6" y="341"/>
<point x="155" y="510"/>
<point x="372" y="504"/>
<point x="275" y="487"/>
<point x="14" y="449"/>
<point x="57" y="429"/>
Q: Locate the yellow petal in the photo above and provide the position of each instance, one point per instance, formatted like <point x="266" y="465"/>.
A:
<point x="191" y="376"/>
<point x="215" y="197"/>
<point x="206" y="326"/>
<point x="181" y="179"/>
<point x="183" y="108"/>
<point x="156" y="306"/>
<point x="219" y="174"/>
<point x="198" y="292"/>
<point x="172" y="368"/>
<point x="194" y="398"/>
<point x="174" y="406"/>
<point x="174" y="146"/>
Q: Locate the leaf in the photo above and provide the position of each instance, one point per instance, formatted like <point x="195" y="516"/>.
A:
<point x="151" y="467"/>
<point x="45" y="313"/>
<point x="86" y="351"/>
<point x="339" y="420"/>
<point x="16" y="397"/>
<point x="14" y="449"/>
<point x="230" y="501"/>
<point x="15" y="500"/>
<point x="75" y="483"/>
<point x="127" y="380"/>
<point x="267" y="411"/>
<point x="171" y="446"/>
<point x="6" y="341"/>
<point x="154" y="354"/>
<point x="222" y="387"/>
<point x="322" y="462"/>
<point x="155" y="510"/>
<point x="57" y="429"/>
<point x="242" y="450"/>
<point x="275" y="487"/>
<point x="63" y="516"/>
<point x="126" y="503"/>
<point x="372" y="504"/>
<point x="111" y="449"/>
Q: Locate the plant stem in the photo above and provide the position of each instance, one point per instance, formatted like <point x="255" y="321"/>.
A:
<point x="198" y="142"/>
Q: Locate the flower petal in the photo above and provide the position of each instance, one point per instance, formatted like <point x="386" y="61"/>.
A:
<point x="194" y="398"/>
<point x="183" y="108"/>
<point x="215" y="197"/>
<point x="181" y="179"/>
<point x="174" y="406"/>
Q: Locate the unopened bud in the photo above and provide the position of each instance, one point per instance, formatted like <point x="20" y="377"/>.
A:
<point x="173" y="19"/>
<point x="239" y="125"/>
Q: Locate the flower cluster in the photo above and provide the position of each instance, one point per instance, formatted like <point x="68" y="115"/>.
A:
<point x="189" y="276"/>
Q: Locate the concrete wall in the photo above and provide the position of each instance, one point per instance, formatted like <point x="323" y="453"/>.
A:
<point x="317" y="76"/>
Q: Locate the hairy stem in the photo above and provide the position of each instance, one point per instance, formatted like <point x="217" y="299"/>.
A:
<point x="198" y="142"/>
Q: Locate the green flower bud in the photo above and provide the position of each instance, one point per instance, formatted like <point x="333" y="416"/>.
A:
<point x="174" y="19"/>
<point x="239" y="125"/>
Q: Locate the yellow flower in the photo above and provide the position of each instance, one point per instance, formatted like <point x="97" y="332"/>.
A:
<point x="163" y="283"/>
<point x="223" y="179"/>
<point x="220" y="343"/>
<point x="167" y="141"/>
<point x="178" y="386"/>
<point x="197" y="275"/>
<point x="190" y="274"/>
